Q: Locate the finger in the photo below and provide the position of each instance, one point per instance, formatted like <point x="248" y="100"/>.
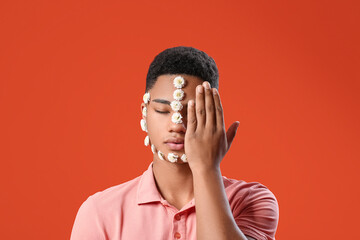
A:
<point x="209" y="107"/>
<point x="231" y="132"/>
<point x="191" y="117"/>
<point x="218" y="110"/>
<point x="199" y="106"/>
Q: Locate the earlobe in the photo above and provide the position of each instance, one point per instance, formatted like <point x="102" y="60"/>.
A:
<point x="143" y="110"/>
<point x="142" y="105"/>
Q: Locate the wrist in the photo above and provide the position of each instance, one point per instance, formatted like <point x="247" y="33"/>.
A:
<point x="205" y="170"/>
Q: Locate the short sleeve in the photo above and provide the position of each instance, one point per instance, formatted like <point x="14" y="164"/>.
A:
<point x="260" y="216"/>
<point x="87" y="225"/>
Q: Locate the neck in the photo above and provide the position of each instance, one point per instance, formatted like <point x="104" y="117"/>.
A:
<point x="174" y="182"/>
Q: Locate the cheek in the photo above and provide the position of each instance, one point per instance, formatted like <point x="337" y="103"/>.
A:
<point x="156" y="124"/>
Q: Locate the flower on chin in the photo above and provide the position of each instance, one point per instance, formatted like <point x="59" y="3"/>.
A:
<point x="161" y="155"/>
<point x="176" y="118"/>
<point x="176" y="105"/>
<point x="184" y="158"/>
<point x="178" y="94"/>
<point x="146" y="97"/>
<point x="179" y="82"/>
<point x="172" y="157"/>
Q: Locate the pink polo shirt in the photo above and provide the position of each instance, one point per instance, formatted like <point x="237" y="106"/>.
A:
<point x="136" y="210"/>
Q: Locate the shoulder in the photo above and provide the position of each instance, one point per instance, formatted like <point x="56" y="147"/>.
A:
<point x="116" y="193"/>
<point x="241" y="189"/>
<point x="254" y="207"/>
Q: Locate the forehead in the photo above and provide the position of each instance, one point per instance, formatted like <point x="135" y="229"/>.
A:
<point x="164" y="86"/>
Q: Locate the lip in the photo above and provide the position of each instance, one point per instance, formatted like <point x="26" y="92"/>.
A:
<point x="175" y="146"/>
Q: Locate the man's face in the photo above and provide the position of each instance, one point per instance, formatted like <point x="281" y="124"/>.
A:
<point x="167" y="136"/>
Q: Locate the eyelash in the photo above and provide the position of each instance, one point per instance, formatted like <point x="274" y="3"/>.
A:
<point x="161" y="112"/>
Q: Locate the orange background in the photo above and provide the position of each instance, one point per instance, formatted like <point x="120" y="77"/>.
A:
<point x="72" y="76"/>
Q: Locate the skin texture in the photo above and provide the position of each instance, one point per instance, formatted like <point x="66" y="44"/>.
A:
<point x="206" y="143"/>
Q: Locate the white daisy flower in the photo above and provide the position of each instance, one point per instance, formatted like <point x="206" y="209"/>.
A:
<point x="184" y="158"/>
<point x="172" y="157"/>
<point x="143" y="125"/>
<point x="146" y="97"/>
<point x="161" y="155"/>
<point x="153" y="149"/>
<point x="176" y="118"/>
<point x="178" y="94"/>
<point x="144" y="111"/>
<point x="147" y="141"/>
<point x="176" y="105"/>
<point x="179" y="82"/>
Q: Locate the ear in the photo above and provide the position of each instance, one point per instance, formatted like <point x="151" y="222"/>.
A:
<point x="141" y="109"/>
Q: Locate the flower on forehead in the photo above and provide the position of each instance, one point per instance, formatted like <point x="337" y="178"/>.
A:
<point x="161" y="155"/>
<point x="179" y="82"/>
<point x="147" y="141"/>
<point x="153" y="149"/>
<point x="176" y="105"/>
<point x="184" y="158"/>
<point x="144" y="111"/>
<point x="176" y="118"/>
<point x="143" y="125"/>
<point x="178" y="94"/>
<point x="172" y="157"/>
<point x="146" y="97"/>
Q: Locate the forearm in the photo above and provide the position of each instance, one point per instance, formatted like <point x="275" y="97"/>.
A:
<point x="214" y="219"/>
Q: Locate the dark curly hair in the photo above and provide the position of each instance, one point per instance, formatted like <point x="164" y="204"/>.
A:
<point x="183" y="60"/>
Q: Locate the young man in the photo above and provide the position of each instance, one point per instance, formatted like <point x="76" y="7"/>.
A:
<point x="182" y="194"/>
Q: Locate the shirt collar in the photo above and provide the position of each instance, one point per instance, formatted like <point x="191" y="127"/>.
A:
<point x="147" y="190"/>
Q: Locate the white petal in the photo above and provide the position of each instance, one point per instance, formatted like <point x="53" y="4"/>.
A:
<point x="176" y="105"/>
<point x="179" y="82"/>
<point x="178" y="94"/>
<point x="184" y="158"/>
<point x="153" y="149"/>
<point x="172" y="157"/>
<point x="143" y="125"/>
<point x="161" y="155"/>
<point x="176" y="118"/>
<point x="146" y="97"/>
<point x="144" y="111"/>
<point x="147" y="141"/>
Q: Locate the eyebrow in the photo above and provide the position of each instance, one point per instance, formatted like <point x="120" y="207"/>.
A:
<point x="163" y="101"/>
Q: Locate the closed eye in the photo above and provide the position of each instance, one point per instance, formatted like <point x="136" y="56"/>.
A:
<point x="161" y="112"/>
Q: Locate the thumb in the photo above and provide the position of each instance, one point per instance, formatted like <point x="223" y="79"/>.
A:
<point x="231" y="132"/>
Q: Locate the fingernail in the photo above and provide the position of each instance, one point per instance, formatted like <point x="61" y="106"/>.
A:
<point x="207" y="85"/>
<point x="200" y="89"/>
<point x="191" y="103"/>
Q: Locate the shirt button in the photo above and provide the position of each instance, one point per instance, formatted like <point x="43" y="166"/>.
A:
<point x="177" y="217"/>
<point x="177" y="235"/>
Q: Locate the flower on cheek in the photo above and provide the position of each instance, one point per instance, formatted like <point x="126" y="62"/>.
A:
<point x="176" y="118"/>
<point x="179" y="82"/>
<point x="143" y="125"/>
<point x="147" y="141"/>
<point x="144" y="111"/>
<point x="146" y="97"/>
<point x="153" y="149"/>
<point x="172" y="157"/>
<point x="176" y="105"/>
<point x="178" y="94"/>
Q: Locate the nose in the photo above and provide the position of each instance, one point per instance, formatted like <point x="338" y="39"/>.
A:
<point x="178" y="127"/>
